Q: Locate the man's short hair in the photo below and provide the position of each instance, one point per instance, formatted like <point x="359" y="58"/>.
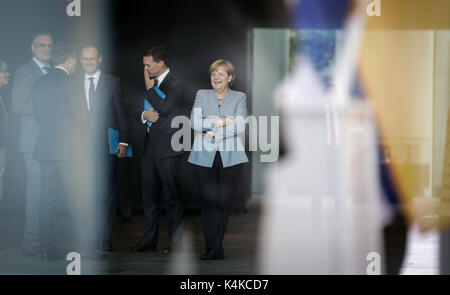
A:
<point x="33" y="42"/>
<point x="61" y="52"/>
<point x="3" y="66"/>
<point x="158" y="53"/>
<point x="91" y="45"/>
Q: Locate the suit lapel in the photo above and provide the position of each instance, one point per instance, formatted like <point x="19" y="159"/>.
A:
<point x="36" y="69"/>
<point x="163" y="85"/>
<point x="83" y="93"/>
<point x="98" y="92"/>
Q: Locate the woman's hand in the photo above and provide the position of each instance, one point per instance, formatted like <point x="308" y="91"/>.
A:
<point x="224" y="122"/>
<point x="208" y="133"/>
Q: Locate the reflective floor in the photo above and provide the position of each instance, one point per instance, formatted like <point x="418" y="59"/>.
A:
<point x="241" y="245"/>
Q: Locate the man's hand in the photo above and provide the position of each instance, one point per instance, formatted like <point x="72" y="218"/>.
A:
<point x="151" y="115"/>
<point x="121" y="150"/>
<point x="149" y="83"/>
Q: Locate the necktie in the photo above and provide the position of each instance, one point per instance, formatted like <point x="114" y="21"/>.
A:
<point x="91" y="92"/>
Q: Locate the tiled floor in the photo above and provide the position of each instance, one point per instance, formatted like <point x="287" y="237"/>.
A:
<point x="240" y="250"/>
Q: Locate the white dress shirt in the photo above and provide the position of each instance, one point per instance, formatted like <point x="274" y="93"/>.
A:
<point x="160" y="79"/>
<point x="59" y="67"/>
<point x="41" y="65"/>
<point x="87" y="84"/>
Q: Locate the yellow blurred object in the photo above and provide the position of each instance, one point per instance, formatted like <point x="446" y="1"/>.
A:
<point x="412" y="15"/>
<point x="397" y="63"/>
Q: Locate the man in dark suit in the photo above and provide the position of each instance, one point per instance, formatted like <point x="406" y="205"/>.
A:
<point x="160" y="163"/>
<point x="104" y="107"/>
<point x="56" y="108"/>
<point x="25" y="76"/>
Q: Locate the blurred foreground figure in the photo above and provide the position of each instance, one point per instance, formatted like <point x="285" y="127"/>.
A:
<point x="4" y="79"/>
<point x="56" y="109"/>
<point x="404" y="60"/>
<point x="323" y="205"/>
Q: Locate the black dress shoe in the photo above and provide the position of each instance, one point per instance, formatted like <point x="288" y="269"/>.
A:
<point x="94" y="255"/>
<point x="142" y="247"/>
<point x="213" y="254"/>
<point x="126" y="220"/>
<point x="51" y="256"/>
<point x="172" y="249"/>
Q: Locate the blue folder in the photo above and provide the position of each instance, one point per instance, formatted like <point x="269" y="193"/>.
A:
<point x="148" y="106"/>
<point x="113" y="136"/>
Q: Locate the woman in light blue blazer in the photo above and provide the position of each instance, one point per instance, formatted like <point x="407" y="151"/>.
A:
<point x="218" y="118"/>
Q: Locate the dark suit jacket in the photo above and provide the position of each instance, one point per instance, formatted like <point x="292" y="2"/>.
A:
<point x="56" y="109"/>
<point x="160" y="134"/>
<point x="108" y="110"/>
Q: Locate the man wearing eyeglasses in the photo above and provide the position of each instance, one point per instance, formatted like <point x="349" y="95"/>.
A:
<point x="25" y="76"/>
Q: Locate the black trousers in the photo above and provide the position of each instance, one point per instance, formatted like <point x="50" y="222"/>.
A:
<point x="162" y="176"/>
<point x="123" y="179"/>
<point x="100" y="188"/>
<point x="217" y="186"/>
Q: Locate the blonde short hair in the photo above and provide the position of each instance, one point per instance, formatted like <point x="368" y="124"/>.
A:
<point x="228" y="66"/>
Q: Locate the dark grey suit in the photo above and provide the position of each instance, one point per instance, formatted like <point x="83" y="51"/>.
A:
<point x="57" y="109"/>
<point x="24" y="77"/>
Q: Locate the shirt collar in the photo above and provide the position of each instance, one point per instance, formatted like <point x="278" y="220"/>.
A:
<point x="40" y="64"/>
<point x="59" y="67"/>
<point x="96" y="76"/>
<point x="162" y="76"/>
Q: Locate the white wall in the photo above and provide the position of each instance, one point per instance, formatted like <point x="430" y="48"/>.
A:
<point x="269" y="64"/>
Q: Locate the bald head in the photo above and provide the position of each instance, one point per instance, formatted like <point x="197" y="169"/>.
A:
<point x="90" y="59"/>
